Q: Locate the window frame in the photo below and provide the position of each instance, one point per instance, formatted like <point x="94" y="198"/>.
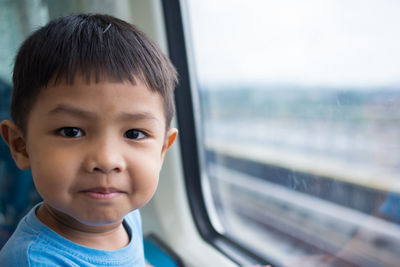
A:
<point x="185" y="100"/>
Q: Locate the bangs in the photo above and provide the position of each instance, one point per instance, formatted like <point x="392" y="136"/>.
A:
<point x="95" y="49"/>
<point x="98" y="48"/>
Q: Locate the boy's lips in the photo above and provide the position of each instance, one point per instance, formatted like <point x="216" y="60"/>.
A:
<point x="102" y="192"/>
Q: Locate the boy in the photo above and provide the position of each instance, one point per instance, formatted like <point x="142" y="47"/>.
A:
<point x="91" y="108"/>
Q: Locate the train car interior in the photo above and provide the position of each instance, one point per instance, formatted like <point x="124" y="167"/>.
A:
<point x="289" y="129"/>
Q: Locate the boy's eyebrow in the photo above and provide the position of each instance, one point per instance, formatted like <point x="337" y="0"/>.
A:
<point x="137" y="116"/>
<point x="91" y="115"/>
<point x="72" y="111"/>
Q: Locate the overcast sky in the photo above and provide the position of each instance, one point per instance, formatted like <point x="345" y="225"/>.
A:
<point x="310" y="42"/>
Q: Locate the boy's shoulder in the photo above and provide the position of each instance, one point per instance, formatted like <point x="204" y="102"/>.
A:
<point x="15" y="251"/>
<point x="34" y="244"/>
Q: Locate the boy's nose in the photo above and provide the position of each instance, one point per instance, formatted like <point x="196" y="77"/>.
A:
<point x="104" y="156"/>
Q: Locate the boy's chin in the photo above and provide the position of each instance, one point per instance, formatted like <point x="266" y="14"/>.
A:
<point x="79" y="220"/>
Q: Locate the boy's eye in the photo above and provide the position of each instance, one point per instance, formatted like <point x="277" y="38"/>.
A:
<point x="71" y="132"/>
<point x="134" y="134"/>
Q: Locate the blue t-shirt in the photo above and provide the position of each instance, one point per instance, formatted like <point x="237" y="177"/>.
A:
<point x="35" y="244"/>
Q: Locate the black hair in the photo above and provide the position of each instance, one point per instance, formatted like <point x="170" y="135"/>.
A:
<point x="95" y="46"/>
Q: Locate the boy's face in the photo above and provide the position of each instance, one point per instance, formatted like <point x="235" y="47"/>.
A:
<point x="95" y="150"/>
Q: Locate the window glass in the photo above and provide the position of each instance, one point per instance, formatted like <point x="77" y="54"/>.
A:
<point x="299" y="127"/>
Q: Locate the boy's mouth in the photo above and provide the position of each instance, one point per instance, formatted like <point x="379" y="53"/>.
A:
<point x="102" y="192"/>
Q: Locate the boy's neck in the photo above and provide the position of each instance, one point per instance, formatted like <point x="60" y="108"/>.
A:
<point x="104" y="237"/>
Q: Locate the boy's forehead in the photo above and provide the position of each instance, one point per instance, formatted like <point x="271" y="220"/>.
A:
<point x="80" y="82"/>
<point x="82" y="91"/>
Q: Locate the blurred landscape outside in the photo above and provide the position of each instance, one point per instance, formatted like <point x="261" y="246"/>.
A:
<point x="300" y="126"/>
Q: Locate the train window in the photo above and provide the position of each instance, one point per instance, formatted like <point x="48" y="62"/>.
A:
<point x="298" y="127"/>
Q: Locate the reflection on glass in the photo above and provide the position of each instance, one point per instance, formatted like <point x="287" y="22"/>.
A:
<point x="300" y="126"/>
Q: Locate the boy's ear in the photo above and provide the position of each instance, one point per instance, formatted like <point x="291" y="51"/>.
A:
<point x="13" y="136"/>
<point x="170" y="138"/>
